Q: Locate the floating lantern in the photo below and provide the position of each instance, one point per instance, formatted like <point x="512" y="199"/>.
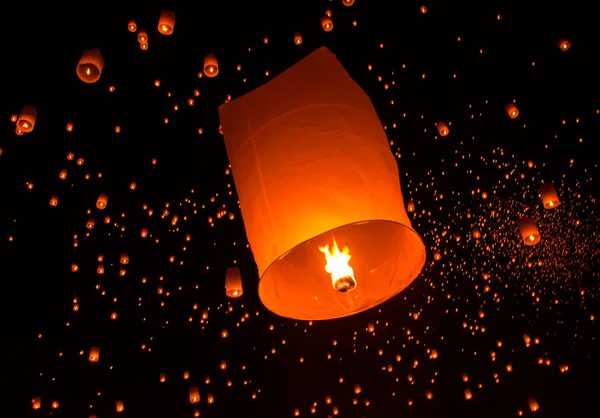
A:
<point x="194" y="393"/>
<point x="529" y="232"/>
<point x="166" y="22"/>
<point x="512" y="110"/>
<point x="211" y="66"/>
<point x="549" y="196"/>
<point x="94" y="354"/>
<point x="297" y="38"/>
<point x="132" y="26"/>
<point x="564" y="45"/>
<point x="443" y="129"/>
<point x="26" y="119"/>
<point x="326" y="23"/>
<point x="90" y="66"/>
<point x="346" y="192"/>
<point x="142" y="36"/>
<point x="102" y="201"/>
<point x="233" y="283"/>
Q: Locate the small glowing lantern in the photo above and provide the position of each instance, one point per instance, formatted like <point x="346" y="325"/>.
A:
<point x="90" y="223"/>
<point x="233" y="283"/>
<point x="36" y="403"/>
<point x="512" y="110"/>
<point x="476" y="233"/>
<point x="144" y="232"/>
<point x="410" y="206"/>
<point x="90" y="66"/>
<point x="69" y="126"/>
<point x="26" y="119"/>
<point x="120" y="406"/>
<point x="295" y="239"/>
<point x="297" y="38"/>
<point x="54" y="201"/>
<point x="94" y="354"/>
<point x="549" y="196"/>
<point x="166" y="22"/>
<point x="564" y="45"/>
<point x="142" y="36"/>
<point x="211" y="66"/>
<point x="533" y="405"/>
<point x="348" y="3"/>
<point x="443" y="129"/>
<point x="132" y="26"/>
<point x="194" y="394"/>
<point x="326" y="23"/>
<point x="529" y="232"/>
<point x="124" y="259"/>
<point x="102" y="201"/>
<point x="63" y="174"/>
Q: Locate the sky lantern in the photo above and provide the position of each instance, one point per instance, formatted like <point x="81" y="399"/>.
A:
<point x="529" y="232"/>
<point x="102" y="201"/>
<point x="36" y="403"/>
<point x="297" y="38"/>
<point x="124" y="259"/>
<point x="410" y="206"/>
<point x="94" y="354"/>
<point x="90" y="66"/>
<point x="533" y="405"/>
<point x="233" y="283"/>
<point x="142" y="36"/>
<point x="342" y="242"/>
<point x="211" y="66"/>
<point x="166" y="22"/>
<point x="120" y="406"/>
<point x="564" y="45"/>
<point x="348" y="3"/>
<point x="512" y="110"/>
<point x="132" y="26"/>
<point x="443" y="129"/>
<point x="26" y="119"/>
<point x="326" y="23"/>
<point x="476" y="233"/>
<point x="194" y="393"/>
<point x="549" y="196"/>
<point x="90" y="223"/>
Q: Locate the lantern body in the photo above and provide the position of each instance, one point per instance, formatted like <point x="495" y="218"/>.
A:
<point x="311" y="163"/>
<point x="90" y="66"/>
<point x="512" y="110"/>
<point x="211" y="66"/>
<point x="297" y="38"/>
<point x="549" y="196"/>
<point x="26" y="119"/>
<point x="529" y="232"/>
<point x="194" y="394"/>
<point x="326" y="23"/>
<point x="132" y="26"/>
<point x="166" y="22"/>
<point x="233" y="283"/>
<point x="443" y="129"/>
<point x="102" y="201"/>
<point x="142" y="36"/>
<point x="94" y="354"/>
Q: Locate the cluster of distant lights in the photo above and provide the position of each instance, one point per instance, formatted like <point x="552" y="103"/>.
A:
<point x="25" y="123"/>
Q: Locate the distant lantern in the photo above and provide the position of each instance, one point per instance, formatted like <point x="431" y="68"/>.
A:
<point x="476" y="233"/>
<point x="303" y="273"/>
<point x="549" y="196"/>
<point x="211" y="66"/>
<point x="124" y="259"/>
<point x="102" y="201"/>
<point x="26" y="119"/>
<point x="437" y="256"/>
<point x="533" y="405"/>
<point x="233" y="283"/>
<point x="63" y="174"/>
<point x="90" y="66"/>
<point x="297" y="38"/>
<point x="132" y="26"/>
<point x="166" y="22"/>
<point x="348" y="3"/>
<point x="54" y="201"/>
<point x="410" y="206"/>
<point x="564" y="45"/>
<point x="142" y="36"/>
<point x="443" y="129"/>
<point x="36" y="403"/>
<point x="144" y="233"/>
<point x="69" y="126"/>
<point x="194" y="394"/>
<point x="144" y="46"/>
<point x="529" y="231"/>
<point x="94" y="354"/>
<point x="120" y="406"/>
<point x="512" y="110"/>
<point x="90" y="223"/>
<point x="326" y="23"/>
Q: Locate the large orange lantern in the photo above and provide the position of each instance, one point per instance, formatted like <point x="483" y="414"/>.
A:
<point x="194" y="394"/>
<point x="327" y="23"/>
<point x="549" y="196"/>
<point x="26" y="119"/>
<point x="319" y="193"/>
<point x="102" y="201"/>
<point x="443" y="129"/>
<point x="90" y="66"/>
<point x="211" y="66"/>
<point x="529" y="231"/>
<point x="94" y="354"/>
<point x="166" y="22"/>
<point x="233" y="283"/>
<point x="512" y="110"/>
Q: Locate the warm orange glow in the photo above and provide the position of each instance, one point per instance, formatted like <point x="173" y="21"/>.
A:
<point x="550" y="198"/>
<point x="132" y="26"/>
<point x="297" y="38"/>
<point x="90" y="66"/>
<point x="564" y="45"/>
<point x="342" y="275"/>
<point x="94" y="354"/>
<point x="326" y="23"/>
<point x="142" y="36"/>
<point x="529" y="232"/>
<point x="211" y="66"/>
<point x="194" y="394"/>
<point x="443" y="129"/>
<point x="26" y="119"/>
<point x="102" y="201"/>
<point x="332" y="173"/>
<point x="166" y="22"/>
<point x="233" y="283"/>
<point x="512" y="110"/>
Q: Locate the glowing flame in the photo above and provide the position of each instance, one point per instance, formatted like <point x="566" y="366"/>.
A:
<point x="342" y="275"/>
<point x="531" y="238"/>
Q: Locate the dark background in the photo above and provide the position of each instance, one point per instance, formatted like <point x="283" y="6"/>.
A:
<point x="41" y="47"/>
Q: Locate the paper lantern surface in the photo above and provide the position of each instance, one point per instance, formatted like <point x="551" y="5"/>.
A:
<point x="233" y="282"/>
<point x="312" y="164"/>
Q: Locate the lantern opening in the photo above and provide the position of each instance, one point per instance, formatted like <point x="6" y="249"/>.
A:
<point x="342" y="275"/>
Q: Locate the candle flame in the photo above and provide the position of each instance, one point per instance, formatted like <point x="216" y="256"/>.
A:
<point x="342" y="275"/>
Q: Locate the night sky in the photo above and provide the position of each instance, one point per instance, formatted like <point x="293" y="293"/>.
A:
<point x="489" y="328"/>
